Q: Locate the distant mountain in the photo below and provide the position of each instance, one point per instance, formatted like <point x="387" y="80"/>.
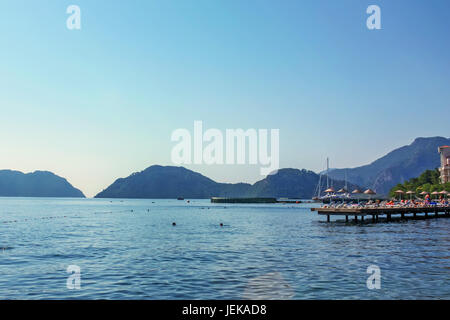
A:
<point x="172" y="182"/>
<point x="397" y="166"/>
<point x="293" y="183"/>
<point x="36" y="184"/>
<point x="158" y="182"/>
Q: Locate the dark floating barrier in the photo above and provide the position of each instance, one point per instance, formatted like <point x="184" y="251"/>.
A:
<point x="243" y="200"/>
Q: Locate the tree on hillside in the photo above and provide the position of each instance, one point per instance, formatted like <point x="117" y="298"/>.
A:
<point x="428" y="181"/>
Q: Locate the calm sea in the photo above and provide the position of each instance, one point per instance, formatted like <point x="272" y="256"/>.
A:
<point x="128" y="249"/>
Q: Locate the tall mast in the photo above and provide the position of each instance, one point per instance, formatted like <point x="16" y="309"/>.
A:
<point x="328" y="168"/>
<point x="319" y="186"/>
<point x="346" y="179"/>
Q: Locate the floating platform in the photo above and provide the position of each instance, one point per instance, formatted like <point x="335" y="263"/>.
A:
<point x="243" y="200"/>
<point x="389" y="213"/>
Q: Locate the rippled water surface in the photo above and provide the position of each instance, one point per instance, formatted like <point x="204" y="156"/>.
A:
<point x="128" y="249"/>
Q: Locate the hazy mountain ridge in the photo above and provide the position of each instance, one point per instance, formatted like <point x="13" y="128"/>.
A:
<point x="397" y="166"/>
<point x="156" y="181"/>
<point x="35" y="184"/>
<point x="172" y="182"/>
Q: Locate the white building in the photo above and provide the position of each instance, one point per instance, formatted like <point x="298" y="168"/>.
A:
<point x="445" y="163"/>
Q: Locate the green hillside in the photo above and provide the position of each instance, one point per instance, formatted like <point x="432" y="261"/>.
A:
<point x="428" y="181"/>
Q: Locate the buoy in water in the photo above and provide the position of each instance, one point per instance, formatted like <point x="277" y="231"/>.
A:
<point x="174" y="224"/>
<point x="221" y="224"/>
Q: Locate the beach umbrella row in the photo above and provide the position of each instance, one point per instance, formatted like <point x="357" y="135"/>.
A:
<point x="400" y="192"/>
<point x="443" y="192"/>
<point x="356" y="191"/>
<point x="435" y="193"/>
<point x="423" y="193"/>
<point x="369" y="191"/>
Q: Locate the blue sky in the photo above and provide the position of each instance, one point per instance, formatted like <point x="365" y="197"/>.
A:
<point x="99" y="103"/>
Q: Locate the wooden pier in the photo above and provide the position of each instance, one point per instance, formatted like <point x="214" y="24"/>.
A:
<point x="388" y="213"/>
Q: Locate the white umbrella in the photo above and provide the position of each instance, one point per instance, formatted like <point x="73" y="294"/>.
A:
<point x="329" y="190"/>
<point x="357" y="191"/>
<point x="400" y="192"/>
<point x="370" y="191"/>
<point x="410" y="193"/>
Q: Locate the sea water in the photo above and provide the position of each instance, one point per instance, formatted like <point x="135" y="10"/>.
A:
<point x="129" y="249"/>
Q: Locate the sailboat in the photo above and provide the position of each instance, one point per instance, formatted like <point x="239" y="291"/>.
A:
<point x="330" y="193"/>
<point x="318" y="192"/>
